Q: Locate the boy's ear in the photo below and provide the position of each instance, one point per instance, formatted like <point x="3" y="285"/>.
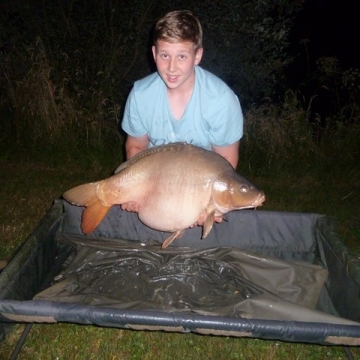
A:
<point x="153" y="48"/>
<point x="198" y="55"/>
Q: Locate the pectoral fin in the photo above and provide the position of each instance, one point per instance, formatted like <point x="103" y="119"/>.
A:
<point x="172" y="237"/>
<point x="210" y="214"/>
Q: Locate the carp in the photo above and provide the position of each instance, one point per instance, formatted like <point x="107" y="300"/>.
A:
<point x="171" y="187"/>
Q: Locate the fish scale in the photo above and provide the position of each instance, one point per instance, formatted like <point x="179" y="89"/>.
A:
<point x="171" y="187"/>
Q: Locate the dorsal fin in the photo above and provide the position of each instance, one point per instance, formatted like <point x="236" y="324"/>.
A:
<point x="178" y="146"/>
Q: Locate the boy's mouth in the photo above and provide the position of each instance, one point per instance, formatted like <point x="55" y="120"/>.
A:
<point x="172" y="78"/>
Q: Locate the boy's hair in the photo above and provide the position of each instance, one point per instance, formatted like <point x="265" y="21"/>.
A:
<point x="180" y="25"/>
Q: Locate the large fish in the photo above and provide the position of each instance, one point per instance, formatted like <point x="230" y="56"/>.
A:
<point x="171" y="187"/>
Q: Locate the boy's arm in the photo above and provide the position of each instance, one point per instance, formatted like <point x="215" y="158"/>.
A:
<point x="229" y="152"/>
<point x="134" y="145"/>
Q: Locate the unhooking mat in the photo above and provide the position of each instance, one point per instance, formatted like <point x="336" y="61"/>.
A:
<point x="216" y="281"/>
<point x="262" y="274"/>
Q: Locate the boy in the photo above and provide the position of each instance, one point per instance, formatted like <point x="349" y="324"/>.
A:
<point x="181" y="101"/>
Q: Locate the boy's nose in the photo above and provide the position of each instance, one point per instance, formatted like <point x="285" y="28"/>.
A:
<point x="172" y="65"/>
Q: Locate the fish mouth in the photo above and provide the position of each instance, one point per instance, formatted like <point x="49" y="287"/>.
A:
<point x="257" y="202"/>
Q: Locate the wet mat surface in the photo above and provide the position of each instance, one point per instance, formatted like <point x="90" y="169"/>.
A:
<point x="216" y="281"/>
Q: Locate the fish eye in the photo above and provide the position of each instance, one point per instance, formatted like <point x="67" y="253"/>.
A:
<point x="244" y="188"/>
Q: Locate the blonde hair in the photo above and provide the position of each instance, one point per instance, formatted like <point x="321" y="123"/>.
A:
<point x="176" y="26"/>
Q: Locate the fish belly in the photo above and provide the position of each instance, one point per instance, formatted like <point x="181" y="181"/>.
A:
<point x="171" y="213"/>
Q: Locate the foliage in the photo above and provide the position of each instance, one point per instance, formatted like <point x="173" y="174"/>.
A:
<point x="249" y="49"/>
<point x="279" y="137"/>
<point x="67" y="72"/>
<point x="331" y="91"/>
<point x="273" y="132"/>
<point x="341" y="87"/>
<point x="70" y="64"/>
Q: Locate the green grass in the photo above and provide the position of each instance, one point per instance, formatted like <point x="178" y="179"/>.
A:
<point x="63" y="341"/>
<point x="32" y="177"/>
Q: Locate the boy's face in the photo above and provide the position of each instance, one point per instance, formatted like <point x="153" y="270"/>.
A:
<point x="175" y="63"/>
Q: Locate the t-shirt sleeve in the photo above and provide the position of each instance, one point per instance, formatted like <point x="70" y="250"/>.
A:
<point x="225" y="119"/>
<point x="131" y="122"/>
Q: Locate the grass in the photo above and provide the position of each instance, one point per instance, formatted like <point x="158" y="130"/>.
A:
<point x="63" y="341"/>
<point x="31" y="177"/>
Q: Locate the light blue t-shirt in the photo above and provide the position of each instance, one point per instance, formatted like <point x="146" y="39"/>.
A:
<point x="212" y="116"/>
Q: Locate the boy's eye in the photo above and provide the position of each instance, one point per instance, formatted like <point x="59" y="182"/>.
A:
<point x="164" y="56"/>
<point x="182" y="57"/>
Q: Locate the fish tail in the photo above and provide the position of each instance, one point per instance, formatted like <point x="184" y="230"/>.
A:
<point x="86" y="195"/>
<point x="81" y="195"/>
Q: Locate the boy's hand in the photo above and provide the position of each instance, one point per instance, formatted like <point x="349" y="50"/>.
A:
<point x="132" y="206"/>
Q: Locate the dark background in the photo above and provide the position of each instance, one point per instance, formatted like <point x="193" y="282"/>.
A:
<point x="89" y="53"/>
<point x="332" y="28"/>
